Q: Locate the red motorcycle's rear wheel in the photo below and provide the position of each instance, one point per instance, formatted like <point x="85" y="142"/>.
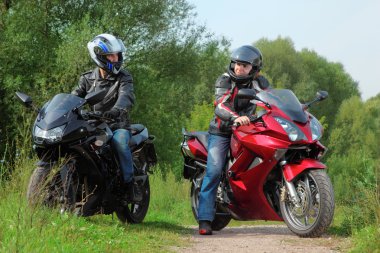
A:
<point x="221" y="219"/>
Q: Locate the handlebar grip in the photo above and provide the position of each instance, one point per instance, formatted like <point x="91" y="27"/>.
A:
<point x="252" y="118"/>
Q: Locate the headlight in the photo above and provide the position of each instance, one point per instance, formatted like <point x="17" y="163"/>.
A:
<point x="294" y="133"/>
<point x="51" y="135"/>
<point x="316" y="129"/>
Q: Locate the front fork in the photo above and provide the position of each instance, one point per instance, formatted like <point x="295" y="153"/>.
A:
<point x="291" y="171"/>
<point x="289" y="186"/>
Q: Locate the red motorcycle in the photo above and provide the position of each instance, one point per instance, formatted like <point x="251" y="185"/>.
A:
<point x="273" y="170"/>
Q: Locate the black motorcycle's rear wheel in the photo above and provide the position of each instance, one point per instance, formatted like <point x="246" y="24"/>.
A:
<point x="221" y="219"/>
<point x="135" y="212"/>
<point x="56" y="190"/>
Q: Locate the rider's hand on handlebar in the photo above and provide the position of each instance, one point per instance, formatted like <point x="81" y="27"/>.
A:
<point x="242" y="121"/>
<point x="111" y="114"/>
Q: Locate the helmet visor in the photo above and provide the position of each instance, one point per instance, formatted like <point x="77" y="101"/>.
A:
<point x="108" y="46"/>
<point x="247" y="54"/>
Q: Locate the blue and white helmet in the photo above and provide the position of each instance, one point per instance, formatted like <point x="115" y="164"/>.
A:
<point x="103" y="45"/>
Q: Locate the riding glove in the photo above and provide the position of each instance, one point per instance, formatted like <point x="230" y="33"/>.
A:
<point x="112" y="114"/>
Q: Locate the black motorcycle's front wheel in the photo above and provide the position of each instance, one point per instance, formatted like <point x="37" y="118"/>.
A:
<point x="37" y="192"/>
<point x="135" y="212"/>
<point x="54" y="189"/>
<point x="221" y="218"/>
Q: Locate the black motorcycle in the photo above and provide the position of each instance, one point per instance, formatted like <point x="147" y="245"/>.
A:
<point x="78" y="171"/>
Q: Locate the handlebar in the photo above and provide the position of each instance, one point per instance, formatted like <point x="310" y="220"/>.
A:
<point x="252" y="118"/>
<point x="96" y="115"/>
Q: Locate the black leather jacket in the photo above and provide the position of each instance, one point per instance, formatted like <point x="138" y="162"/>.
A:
<point x="228" y="107"/>
<point x="120" y="94"/>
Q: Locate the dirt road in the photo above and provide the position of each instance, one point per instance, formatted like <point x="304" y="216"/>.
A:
<point x="268" y="238"/>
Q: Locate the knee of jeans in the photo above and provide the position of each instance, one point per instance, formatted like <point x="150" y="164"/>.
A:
<point x="121" y="138"/>
<point x="214" y="174"/>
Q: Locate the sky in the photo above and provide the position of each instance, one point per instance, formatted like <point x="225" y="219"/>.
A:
<point x="344" y="31"/>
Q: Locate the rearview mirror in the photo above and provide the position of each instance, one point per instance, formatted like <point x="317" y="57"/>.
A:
<point x="25" y="99"/>
<point x="321" y="95"/>
<point x="95" y="97"/>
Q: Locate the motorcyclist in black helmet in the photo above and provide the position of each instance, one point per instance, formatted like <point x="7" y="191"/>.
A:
<point x="107" y="52"/>
<point x="242" y="72"/>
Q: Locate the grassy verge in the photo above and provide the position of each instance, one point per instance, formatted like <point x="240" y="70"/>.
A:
<point x="23" y="229"/>
<point x="360" y="223"/>
<point x="42" y="230"/>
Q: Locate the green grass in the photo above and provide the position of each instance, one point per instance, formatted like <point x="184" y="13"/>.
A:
<point x="367" y="240"/>
<point x="23" y="229"/>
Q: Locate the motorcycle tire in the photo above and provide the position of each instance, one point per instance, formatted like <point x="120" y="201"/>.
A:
<point x="47" y="189"/>
<point x="135" y="212"/>
<point x="220" y="220"/>
<point x="36" y="192"/>
<point x="316" y="211"/>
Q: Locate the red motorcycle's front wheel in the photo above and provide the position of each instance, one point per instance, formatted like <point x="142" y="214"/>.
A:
<point x="313" y="214"/>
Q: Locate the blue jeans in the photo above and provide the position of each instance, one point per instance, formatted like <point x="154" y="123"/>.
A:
<point x="218" y="147"/>
<point x="120" y="142"/>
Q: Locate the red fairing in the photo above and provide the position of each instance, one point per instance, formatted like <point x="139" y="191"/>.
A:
<point x="262" y="156"/>
<point x="197" y="149"/>
<point x="249" y="178"/>
<point x="293" y="170"/>
<point x="248" y="191"/>
<point x="236" y="147"/>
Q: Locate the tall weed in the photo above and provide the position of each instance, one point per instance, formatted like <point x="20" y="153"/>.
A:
<point x="170" y="197"/>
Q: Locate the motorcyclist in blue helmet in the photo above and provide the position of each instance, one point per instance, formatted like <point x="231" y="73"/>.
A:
<point x="107" y="51"/>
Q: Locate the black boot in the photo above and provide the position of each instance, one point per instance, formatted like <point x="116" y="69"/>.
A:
<point x="205" y="227"/>
<point x="134" y="191"/>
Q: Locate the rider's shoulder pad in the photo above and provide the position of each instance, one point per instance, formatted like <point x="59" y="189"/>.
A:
<point x="125" y="75"/>
<point x="224" y="81"/>
<point x="87" y="74"/>
<point x="262" y="82"/>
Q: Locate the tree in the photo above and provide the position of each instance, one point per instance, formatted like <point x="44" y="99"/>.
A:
<point x="305" y="73"/>
<point x="45" y="52"/>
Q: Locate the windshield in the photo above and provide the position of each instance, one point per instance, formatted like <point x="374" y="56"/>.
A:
<point x="64" y="103"/>
<point x="286" y="101"/>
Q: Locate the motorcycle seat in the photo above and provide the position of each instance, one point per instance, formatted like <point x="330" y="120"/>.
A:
<point x="136" y="128"/>
<point x="201" y="136"/>
<point x="139" y="135"/>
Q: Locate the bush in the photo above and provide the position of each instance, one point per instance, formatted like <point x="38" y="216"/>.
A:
<point x="367" y="240"/>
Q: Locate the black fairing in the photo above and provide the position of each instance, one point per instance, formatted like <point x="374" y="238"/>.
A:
<point x="84" y="138"/>
<point x="62" y="110"/>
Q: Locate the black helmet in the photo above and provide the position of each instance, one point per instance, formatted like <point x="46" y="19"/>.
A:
<point x="105" y="44"/>
<point x="245" y="54"/>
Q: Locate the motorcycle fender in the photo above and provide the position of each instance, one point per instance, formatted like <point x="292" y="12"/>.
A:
<point x="292" y="170"/>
